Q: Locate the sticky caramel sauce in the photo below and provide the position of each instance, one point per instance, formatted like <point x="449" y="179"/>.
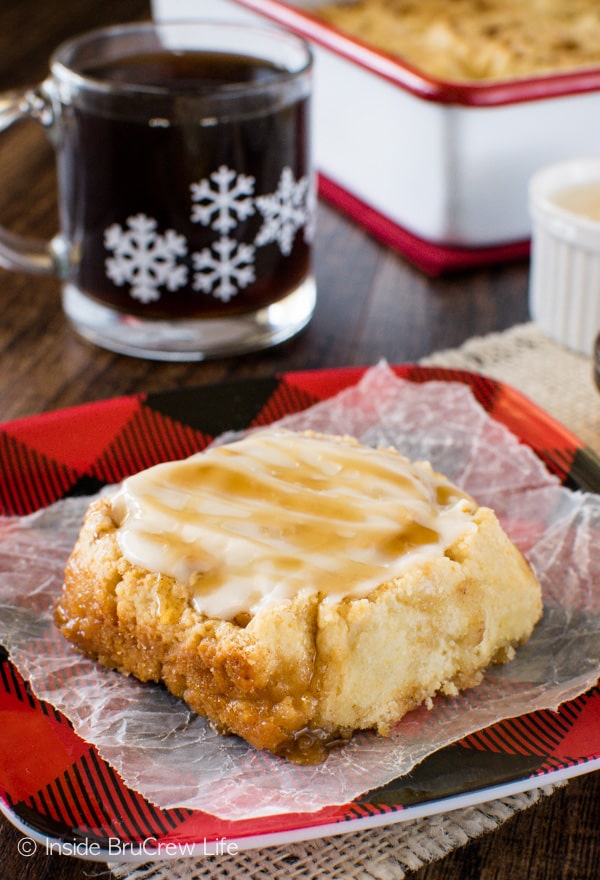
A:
<point x="277" y="513"/>
<point x="311" y="745"/>
<point x="582" y="199"/>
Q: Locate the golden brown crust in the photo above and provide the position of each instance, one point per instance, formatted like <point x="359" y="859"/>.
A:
<point x="475" y="40"/>
<point x="306" y="667"/>
<point x="143" y="623"/>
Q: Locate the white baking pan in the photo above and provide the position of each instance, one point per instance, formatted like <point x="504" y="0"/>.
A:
<point x="435" y="169"/>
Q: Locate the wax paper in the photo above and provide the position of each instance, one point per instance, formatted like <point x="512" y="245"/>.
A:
<point x="174" y="758"/>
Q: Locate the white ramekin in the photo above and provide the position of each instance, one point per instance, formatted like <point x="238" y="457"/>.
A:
<point x="564" y="286"/>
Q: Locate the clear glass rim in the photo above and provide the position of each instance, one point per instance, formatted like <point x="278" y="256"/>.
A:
<point x="63" y="60"/>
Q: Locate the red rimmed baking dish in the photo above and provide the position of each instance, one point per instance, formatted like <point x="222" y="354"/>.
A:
<point x="437" y="170"/>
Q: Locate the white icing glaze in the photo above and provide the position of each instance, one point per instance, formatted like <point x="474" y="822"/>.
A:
<point x="261" y="519"/>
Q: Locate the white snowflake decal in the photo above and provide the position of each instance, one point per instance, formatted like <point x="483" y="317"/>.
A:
<point x="284" y="212"/>
<point x="225" y="271"/>
<point x="145" y="259"/>
<point x="230" y="201"/>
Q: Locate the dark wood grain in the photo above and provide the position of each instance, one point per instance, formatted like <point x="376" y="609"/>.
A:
<point x="372" y="304"/>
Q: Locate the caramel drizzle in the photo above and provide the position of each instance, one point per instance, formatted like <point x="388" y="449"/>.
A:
<point x="262" y="519"/>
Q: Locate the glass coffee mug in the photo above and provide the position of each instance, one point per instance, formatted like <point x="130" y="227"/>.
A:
<point x="185" y="187"/>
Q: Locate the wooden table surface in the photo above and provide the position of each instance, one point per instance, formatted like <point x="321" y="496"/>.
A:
<point x="372" y="304"/>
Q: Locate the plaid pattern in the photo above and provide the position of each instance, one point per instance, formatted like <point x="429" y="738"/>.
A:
<point x="65" y="790"/>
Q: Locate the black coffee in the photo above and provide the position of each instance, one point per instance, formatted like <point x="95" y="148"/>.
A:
<point x="176" y="215"/>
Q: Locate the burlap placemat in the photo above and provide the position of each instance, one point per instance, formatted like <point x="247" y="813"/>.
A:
<point x="377" y="854"/>
<point x="561" y="383"/>
<point x="558" y="380"/>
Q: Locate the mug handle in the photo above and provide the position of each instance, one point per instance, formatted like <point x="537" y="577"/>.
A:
<point x="17" y="251"/>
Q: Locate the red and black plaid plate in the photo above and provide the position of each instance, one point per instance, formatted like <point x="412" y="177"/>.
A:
<point x="65" y="792"/>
